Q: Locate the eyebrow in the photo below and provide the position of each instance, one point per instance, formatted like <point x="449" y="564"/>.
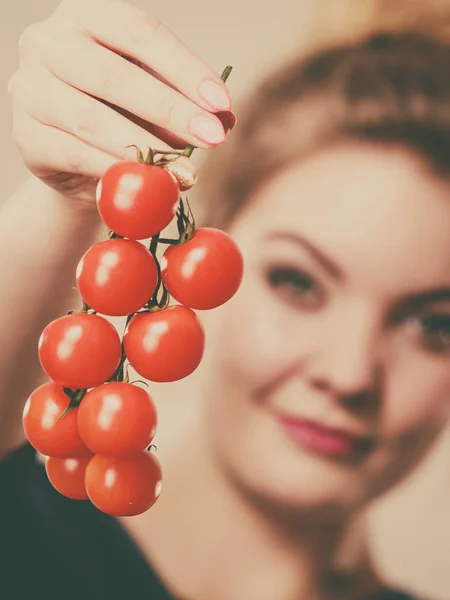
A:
<point x="411" y="301"/>
<point x="438" y="295"/>
<point x="317" y="254"/>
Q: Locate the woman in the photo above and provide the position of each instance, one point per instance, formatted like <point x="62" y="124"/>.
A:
<point x="328" y="373"/>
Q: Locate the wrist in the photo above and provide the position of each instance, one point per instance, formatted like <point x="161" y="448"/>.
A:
<point x="39" y="225"/>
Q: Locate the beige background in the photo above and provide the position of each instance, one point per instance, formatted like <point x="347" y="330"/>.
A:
<point x="411" y="528"/>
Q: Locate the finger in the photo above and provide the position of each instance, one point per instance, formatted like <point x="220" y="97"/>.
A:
<point x="164" y="137"/>
<point x="55" y="103"/>
<point x="227" y="119"/>
<point x="141" y="36"/>
<point x="48" y="150"/>
<point x="101" y="73"/>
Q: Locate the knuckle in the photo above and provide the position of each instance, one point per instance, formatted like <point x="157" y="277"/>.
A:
<point x="85" y="124"/>
<point x="30" y="39"/>
<point x="142" y="30"/>
<point x="24" y="86"/>
<point x="17" y="131"/>
<point x="13" y="85"/>
<point x="22" y="147"/>
<point x="19" y="86"/>
<point x="23" y="135"/>
<point x="167" y="111"/>
<point x="112" y="80"/>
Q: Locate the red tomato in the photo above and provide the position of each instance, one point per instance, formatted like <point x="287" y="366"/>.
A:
<point x="67" y="475"/>
<point x="204" y="272"/>
<point x="117" y="277"/>
<point x="117" y="419"/>
<point x="79" y="350"/>
<point x="123" y="487"/>
<point x="165" y="345"/>
<point x="136" y="200"/>
<point x="45" y="431"/>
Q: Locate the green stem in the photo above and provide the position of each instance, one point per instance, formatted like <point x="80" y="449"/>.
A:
<point x="184" y="226"/>
<point x="154" y="300"/>
<point x="118" y="374"/>
<point x="169" y="241"/>
<point x="226" y="73"/>
<point x="79" y="395"/>
<point x="176" y="152"/>
<point x="154" y="245"/>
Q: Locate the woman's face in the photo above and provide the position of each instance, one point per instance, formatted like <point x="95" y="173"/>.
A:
<point x="330" y="369"/>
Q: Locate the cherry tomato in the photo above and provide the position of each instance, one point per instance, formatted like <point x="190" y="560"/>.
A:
<point x="45" y="430"/>
<point x="165" y="345"/>
<point x="79" y="350"/>
<point x="136" y="200"/>
<point x="117" y="419"/>
<point x="123" y="487"/>
<point x="117" y="277"/>
<point x="204" y="272"/>
<point x="67" y="475"/>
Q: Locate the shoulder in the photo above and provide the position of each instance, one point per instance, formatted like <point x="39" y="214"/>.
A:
<point x="51" y="537"/>
<point x="394" y="594"/>
<point x="16" y="469"/>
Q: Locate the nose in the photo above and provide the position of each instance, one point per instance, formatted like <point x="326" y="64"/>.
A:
<point x="347" y="360"/>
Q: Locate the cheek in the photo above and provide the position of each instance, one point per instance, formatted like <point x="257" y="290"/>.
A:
<point x="419" y="397"/>
<point x="254" y="331"/>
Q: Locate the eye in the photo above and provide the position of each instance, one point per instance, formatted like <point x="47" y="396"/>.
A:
<point x="434" y="332"/>
<point x="295" y="286"/>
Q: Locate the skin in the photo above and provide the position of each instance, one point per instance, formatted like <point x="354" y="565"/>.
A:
<point x="257" y="496"/>
<point x="337" y="354"/>
<point x="332" y="352"/>
<point x="70" y="64"/>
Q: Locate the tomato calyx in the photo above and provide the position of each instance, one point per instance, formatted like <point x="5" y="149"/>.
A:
<point x="160" y="298"/>
<point x="85" y="308"/>
<point x="75" y="398"/>
<point x="149" y="158"/>
<point x="139" y="381"/>
<point x="89" y="363"/>
<point x="185" y="225"/>
<point x="110" y="235"/>
<point x="185" y="222"/>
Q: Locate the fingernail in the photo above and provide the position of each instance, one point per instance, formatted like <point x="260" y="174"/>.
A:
<point x="215" y="94"/>
<point x="207" y="129"/>
<point x="228" y="119"/>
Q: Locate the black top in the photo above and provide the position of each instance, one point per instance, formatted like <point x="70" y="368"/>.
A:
<point x="53" y="548"/>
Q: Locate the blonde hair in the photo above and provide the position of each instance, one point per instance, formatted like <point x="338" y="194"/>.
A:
<point x="385" y="81"/>
<point x="350" y="21"/>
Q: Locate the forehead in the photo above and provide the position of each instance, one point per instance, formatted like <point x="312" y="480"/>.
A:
<point x="370" y="208"/>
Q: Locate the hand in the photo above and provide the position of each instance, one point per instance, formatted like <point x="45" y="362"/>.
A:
<point x="99" y="75"/>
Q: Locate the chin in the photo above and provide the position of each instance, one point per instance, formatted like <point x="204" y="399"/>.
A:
<point x="268" y="468"/>
<point x="307" y="486"/>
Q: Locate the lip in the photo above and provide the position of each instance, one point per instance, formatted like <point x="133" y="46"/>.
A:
<point x="323" y="439"/>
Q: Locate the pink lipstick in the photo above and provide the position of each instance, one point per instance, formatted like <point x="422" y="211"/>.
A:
<point x="323" y="439"/>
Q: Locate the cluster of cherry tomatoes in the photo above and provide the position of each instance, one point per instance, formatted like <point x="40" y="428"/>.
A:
<point x="94" y="427"/>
